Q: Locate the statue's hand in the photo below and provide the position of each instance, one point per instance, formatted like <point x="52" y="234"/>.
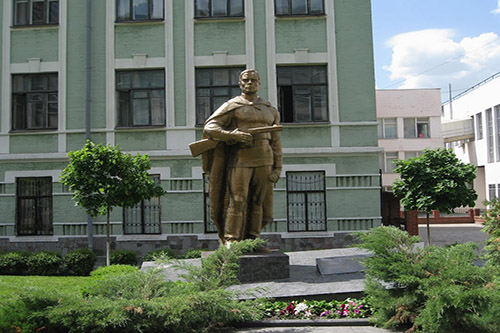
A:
<point x="240" y="136"/>
<point x="274" y="176"/>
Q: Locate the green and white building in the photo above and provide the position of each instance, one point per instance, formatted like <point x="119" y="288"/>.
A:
<point x="145" y="74"/>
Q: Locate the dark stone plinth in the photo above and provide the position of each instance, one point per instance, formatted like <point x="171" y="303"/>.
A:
<point x="258" y="267"/>
<point x="341" y="264"/>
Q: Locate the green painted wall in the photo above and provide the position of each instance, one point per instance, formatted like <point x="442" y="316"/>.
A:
<point x="77" y="141"/>
<point x="153" y="140"/>
<point x="7" y="207"/>
<point x="260" y="47"/>
<point x="140" y="38"/>
<point x="219" y="36"/>
<point x="179" y="63"/>
<point x="75" y="64"/>
<point x="175" y="206"/>
<point x="366" y="163"/>
<point x="29" y="43"/>
<point x="358" y="136"/>
<point x="300" y="137"/>
<point x="355" y="60"/>
<point x="353" y="203"/>
<point x="294" y="34"/>
<point x="43" y="143"/>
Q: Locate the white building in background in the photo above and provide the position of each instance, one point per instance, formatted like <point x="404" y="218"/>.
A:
<point x="471" y="127"/>
<point x="409" y="122"/>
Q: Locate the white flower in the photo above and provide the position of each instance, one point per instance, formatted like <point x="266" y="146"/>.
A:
<point x="300" y="307"/>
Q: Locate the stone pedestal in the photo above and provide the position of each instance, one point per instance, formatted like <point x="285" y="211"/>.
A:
<point x="340" y="265"/>
<point x="257" y="267"/>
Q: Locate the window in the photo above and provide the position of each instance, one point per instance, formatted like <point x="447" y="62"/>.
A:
<point x="489" y="136"/>
<point x="388" y="128"/>
<point x="34" y="102"/>
<point x="412" y="154"/>
<point x="139" y="10"/>
<point x="141" y="98"/>
<point x="479" y="126"/>
<point x="145" y="217"/>
<point x="299" y="7"/>
<point x="389" y="161"/>
<point x="34" y="206"/>
<point x="416" y="128"/>
<point x="214" y="86"/>
<point x="36" y="12"/>
<point x="303" y="94"/>
<point x="306" y="201"/>
<point x="497" y="116"/>
<point x="492" y="191"/>
<point x="218" y="8"/>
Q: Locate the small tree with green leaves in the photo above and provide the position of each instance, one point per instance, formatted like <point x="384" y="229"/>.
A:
<point x="492" y="227"/>
<point x="436" y="180"/>
<point x="102" y="177"/>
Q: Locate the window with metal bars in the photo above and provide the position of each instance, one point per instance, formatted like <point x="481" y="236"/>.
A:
<point x="145" y="217"/>
<point x="34" y="206"/>
<point x="214" y="86"/>
<point x="218" y="8"/>
<point x="36" y="12"/>
<point x="299" y="7"/>
<point x="34" y="101"/>
<point x="141" y="98"/>
<point x="303" y="94"/>
<point x="139" y="10"/>
<point x="306" y="201"/>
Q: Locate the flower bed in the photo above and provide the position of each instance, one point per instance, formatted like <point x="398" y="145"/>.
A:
<point x="310" y="309"/>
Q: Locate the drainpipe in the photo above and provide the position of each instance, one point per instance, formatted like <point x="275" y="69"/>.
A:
<point x="90" y="228"/>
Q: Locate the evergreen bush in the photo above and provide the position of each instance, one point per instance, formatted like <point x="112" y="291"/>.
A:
<point x="113" y="270"/>
<point x="124" y="257"/>
<point x="191" y="254"/>
<point x="14" y="263"/>
<point x="79" y="262"/>
<point x="44" y="263"/>
<point x="431" y="289"/>
<point x="160" y="254"/>
<point x="492" y="227"/>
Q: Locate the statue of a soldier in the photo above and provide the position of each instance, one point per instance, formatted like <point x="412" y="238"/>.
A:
<point x="245" y="162"/>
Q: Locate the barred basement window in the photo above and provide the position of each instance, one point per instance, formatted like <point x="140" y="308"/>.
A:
<point x="299" y="7"/>
<point x="218" y="8"/>
<point x="34" y="206"/>
<point x="303" y="94"/>
<point x="145" y="217"/>
<point x="306" y="201"/>
<point x="34" y="101"/>
<point x="139" y="10"/>
<point x="207" y="221"/>
<point x="36" y="12"/>
<point x="214" y="86"/>
<point x="141" y="98"/>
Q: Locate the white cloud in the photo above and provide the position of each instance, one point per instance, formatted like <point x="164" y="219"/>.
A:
<point x="432" y="59"/>
<point x="497" y="10"/>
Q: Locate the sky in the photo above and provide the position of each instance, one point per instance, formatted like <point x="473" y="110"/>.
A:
<point x="434" y="43"/>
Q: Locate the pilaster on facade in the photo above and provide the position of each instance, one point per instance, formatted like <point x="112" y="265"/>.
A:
<point x="110" y="72"/>
<point x="6" y="88"/>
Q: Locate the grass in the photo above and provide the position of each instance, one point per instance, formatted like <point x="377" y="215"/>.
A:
<point x="10" y="286"/>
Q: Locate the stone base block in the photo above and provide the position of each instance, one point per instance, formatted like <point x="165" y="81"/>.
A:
<point x="258" y="267"/>
<point x="340" y="265"/>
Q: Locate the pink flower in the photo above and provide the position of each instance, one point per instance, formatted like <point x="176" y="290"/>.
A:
<point x="325" y="313"/>
<point x="307" y="313"/>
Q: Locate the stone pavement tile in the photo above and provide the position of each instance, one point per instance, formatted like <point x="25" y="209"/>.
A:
<point x="316" y="329"/>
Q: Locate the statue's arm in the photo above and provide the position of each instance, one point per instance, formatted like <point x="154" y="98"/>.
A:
<point x="217" y="130"/>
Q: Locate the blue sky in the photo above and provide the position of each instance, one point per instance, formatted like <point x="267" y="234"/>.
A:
<point x="430" y="43"/>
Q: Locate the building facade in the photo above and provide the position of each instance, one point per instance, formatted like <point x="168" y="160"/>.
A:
<point x="471" y="127"/>
<point x="145" y="74"/>
<point x="409" y="122"/>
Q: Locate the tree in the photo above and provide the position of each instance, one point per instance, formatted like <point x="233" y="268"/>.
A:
<point x="436" y="180"/>
<point x="102" y="177"/>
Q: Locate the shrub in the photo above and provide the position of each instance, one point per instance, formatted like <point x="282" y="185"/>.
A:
<point x="492" y="227"/>
<point x="124" y="257"/>
<point x="434" y="289"/>
<point x="128" y="285"/>
<point x="14" y="263"/>
<point x="79" y="262"/>
<point x="113" y="270"/>
<point x="191" y="254"/>
<point x="159" y="254"/>
<point x="44" y="263"/>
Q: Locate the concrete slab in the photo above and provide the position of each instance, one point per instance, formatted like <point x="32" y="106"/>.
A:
<point x="340" y="265"/>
